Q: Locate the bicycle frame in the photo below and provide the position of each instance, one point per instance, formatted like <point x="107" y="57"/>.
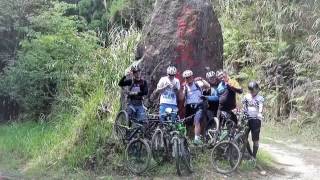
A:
<point x="141" y="129"/>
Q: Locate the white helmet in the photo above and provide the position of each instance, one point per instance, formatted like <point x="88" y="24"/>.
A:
<point x="187" y="73"/>
<point x="135" y="68"/>
<point x="210" y="74"/>
<point x="219" y="73"/>
<point x="171" y="70"/>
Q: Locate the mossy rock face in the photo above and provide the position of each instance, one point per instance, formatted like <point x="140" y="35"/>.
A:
<point x="184" y="33"/>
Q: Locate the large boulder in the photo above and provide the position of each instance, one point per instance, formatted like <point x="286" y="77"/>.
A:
<point x="183" y="33"/>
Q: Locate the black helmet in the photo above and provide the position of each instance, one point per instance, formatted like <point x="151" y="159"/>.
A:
<point x="253" y="86"/>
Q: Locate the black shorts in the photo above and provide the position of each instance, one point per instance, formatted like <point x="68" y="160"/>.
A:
<point x="254" y="127"/>
<point x="192" y="110"/>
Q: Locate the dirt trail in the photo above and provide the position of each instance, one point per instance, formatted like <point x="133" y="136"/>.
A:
<point x="295" y="161"/>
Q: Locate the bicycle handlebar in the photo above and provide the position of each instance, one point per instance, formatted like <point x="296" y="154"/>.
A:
<point x="179" y="120"/>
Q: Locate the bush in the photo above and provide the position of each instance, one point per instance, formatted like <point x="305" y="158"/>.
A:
<point x="66" y="75"/>
<point x="51" y="67"/>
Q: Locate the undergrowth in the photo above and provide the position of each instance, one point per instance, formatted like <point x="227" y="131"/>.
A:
<point x="73" y="135"/>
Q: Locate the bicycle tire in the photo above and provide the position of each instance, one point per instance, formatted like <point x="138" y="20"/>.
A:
<point x="231" y="152"/>
<point x="241" y="140"/>
<point x="121" y="121"/>
<point x="217" y="123"/>
<point x="176" y="154"/>
<point x="158" y="147"/>
<point x="136" y="146"/>
<point x="186" y="155"/>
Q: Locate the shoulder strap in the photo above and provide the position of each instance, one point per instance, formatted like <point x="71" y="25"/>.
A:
<point x="131" y="86"/>
<point x="186" y="89"/>
<point x="185" y="92"/>
<point x="198" y="87"/>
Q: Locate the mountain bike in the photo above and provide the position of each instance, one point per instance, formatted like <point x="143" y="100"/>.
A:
<point x="123" y="119"/>
<point x="180" y="149"/>
<point x="241" y="138"/>
<point x="137" y="152"/>
<point x="226" y="155"/>
<point x="136" y="139"/>
<point x="160" y="142"/>
<point x="169" y="139"/>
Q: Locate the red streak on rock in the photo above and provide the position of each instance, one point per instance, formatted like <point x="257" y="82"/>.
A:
<point x="186" y="32"/>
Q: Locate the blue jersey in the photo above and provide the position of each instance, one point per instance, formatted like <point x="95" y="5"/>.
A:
<point x="217" y="92"/>
<point x="226" y="95"/>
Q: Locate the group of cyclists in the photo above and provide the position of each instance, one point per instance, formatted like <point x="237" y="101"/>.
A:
<point x="218" y="90"/>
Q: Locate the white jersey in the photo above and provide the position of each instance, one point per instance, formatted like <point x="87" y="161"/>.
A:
<point x="252" y="106"/>
<point x="193" y="94"/>
<point x="168" y="96"/>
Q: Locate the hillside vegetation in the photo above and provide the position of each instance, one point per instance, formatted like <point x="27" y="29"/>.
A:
<point x="60" y="64"/>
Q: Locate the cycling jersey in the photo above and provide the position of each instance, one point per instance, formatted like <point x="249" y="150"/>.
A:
<point x="168" y="96"/>
<point x="138" y="86"/>
<point x="225" y="94"/>
<point x="193" y="94"/>
<point x="214" y="95"/>
<point x="252" y="106"/>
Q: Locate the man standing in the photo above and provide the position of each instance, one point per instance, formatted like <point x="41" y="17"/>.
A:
<point x="227" y="90"/>
<point x="213" y="93"/>
<point x="168" y="87"/>
<point x="192" y="93"/>
<point x="225" y="95"/>
<point x="213" y="98"/>
<point x="137" y="89"/>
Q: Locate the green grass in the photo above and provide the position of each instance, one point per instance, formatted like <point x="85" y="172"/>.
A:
<point x="264" y="158"/>
<point x="308" y="135"/>
<point x="39" y="148"/>
<point x="64" y="143"/>
<point x="22" y="141"/>
<point x="202" y="165"/>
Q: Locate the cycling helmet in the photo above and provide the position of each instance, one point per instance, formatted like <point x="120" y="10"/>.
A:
<point x="135" y="68"/>
<point x="210" y="74"/>
<point x="220" y="73"/>
<point x="171" y="70"/>
<point x="253" y="86"/>
<point x="187" y="73"/>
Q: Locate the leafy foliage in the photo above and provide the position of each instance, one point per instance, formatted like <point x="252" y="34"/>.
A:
<point x="105" y="15"/>
<point x="63" y="76"/>
<point x="51" y="65"/>
<point x="279" y="42"/>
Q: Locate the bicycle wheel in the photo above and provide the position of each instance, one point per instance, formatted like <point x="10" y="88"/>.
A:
<point x="176" y="154"/>
<point x="182" y="156"/>
<point x="138" y="156"/>
<point x="120" y="125"/>
<point x="225" y="157"/>
<point x="186" y="155"/>
<point x="241" y="140"/>
<point x="211" y="138"/>
<point x="159" y="147"/>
